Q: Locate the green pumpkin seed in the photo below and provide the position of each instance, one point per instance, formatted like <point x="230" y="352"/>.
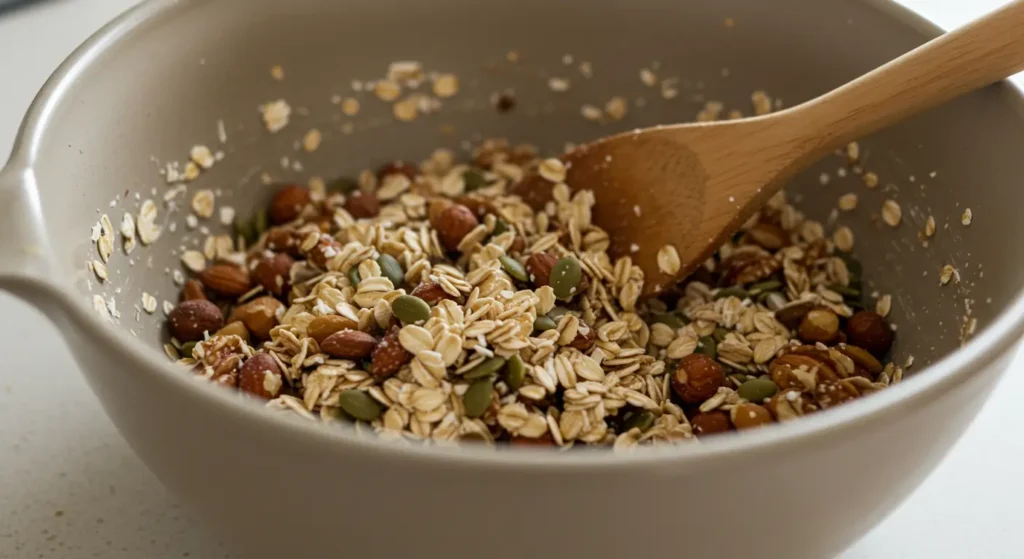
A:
<point x="757" y="390"/>
<point x="500" y="227"/>
<point x="544" y="323"/>
<point x="410" y="310"/>
<point x="770" y="285"/>
<point x="719" y="334"/>
<point x="353" y="275"/>
<point x="515" y="372"/>
<point x="640" y="420"/>
<point x="474" y="180"/>
<point x="259" y="224"/>
<point x="243" y="229"/>
<point x="344" y="185"/>
<point x="391" y="269"/>
<point x="671" y="320"/>
<point x="359" y="405"/>
<point x="565" y="277"/>
<point x="846" y="292"/>
<point x="478" y="396"/>
<point x="732" y="292"/>
<point x="186" y="349"/>
<point x="557" y="313"/>
<point x="707" y="346"/>
<point x="513" y="268"/>
<point x="853" y="266"/>
<point x="487" y="368"/>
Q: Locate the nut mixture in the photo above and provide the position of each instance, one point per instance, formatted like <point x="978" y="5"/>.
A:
<point x="425" y="303"/>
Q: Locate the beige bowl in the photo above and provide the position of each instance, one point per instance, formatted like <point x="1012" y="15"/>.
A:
<point x="157" y="80"/>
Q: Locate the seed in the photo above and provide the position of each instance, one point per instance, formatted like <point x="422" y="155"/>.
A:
<point x="757" y="390"/>
<point x="473" y="180"/>
<point x="707" y="346"/>
<point x="359" y="405"/>
<point x="719" y="335"/>
<point x="353" y="275"/>
<point x="345" y="185"/>
<point x="638" y="420"/>
<point x="515" y="372"/>
<point x="671" y="320"/>
<point x="734" y="291"/>
<point x="410" y="310"/>
<point x="544" y="323"/>
<point x="500" y="227"/>
<point x="244" y="229"/>
<point x="513" y="268"/>
<point x="186" y="349"/>
<point x="770" y="285"/>
<point x="487" y="368"/>
<point x="557" y="313"/>
<point x="565" y="277"/>
<point x="478" y="396"/>
<point x="845" y="291"/>
<point x="259" y="224"/>
<point x="391" y="269"/>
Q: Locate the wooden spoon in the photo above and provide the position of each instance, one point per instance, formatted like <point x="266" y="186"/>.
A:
<point x="691" y="186"/>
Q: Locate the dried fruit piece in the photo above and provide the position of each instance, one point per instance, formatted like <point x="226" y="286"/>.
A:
<point x="697" y="378"/>
<point x="260" y="376"/>
<point x="288" y="203"/>
<point x="323" y="326"/>
<point x="226" y="280"/>
<point x="349" y="344"/>
<point x="453" y="224"/>
<point x="584" y="339"/>
<point x="870" y="331"/>
<point x="389" y="356"/>
<point x="259" y="315"/>
<point x="191" y="319"/>
<point x="272" y="271"/>
<point x="397" y="168"/>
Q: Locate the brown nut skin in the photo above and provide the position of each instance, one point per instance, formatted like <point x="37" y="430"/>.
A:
<point x="431" y="293"/>
<point x="544" y="440"/>
<point x="697" y="377"/>
<point x="322" y="326"/>
<point x="868" y="330"/>
<point x="748" y="416"/>
<point x="819" y="325"/>
<point x="349" y="344"/>
<point x="234" y="329"/>
<point x="362" y="205"/>
<point x="325" y="249"/>
<point x="190" y="319"/>
<point x="584" y="341"/>
<point x="831" y="393"/>
<point x="258" y="315"/>
<point x="273" y="272"/>
<point x="454" y="224"/>
<point x="193" y="289"/>
<point x="709" y="423"/>
<point x="782" y="370"/>
<point x="861" y="358"/>
<point x="389" y="356"/>
<point x="226" y="280"/>
<point x="288" y="203"/>
<point x="398" y="168"/>
<point x="539" y="266"/>
<point x="280" y="239"/>
<point x="260" y="376"/>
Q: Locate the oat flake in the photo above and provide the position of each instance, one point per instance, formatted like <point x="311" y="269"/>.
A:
<point x="966" y="217"/>
<point x="883" y="305"/>
<point x="892" y="214"/>
<point x="148" y="303"/>
<point x="929" y="227"/>
<point x="194" y="260"/>
<point x="350" y="106"/>
<point x="446" y="85"/>
<point x="870" y="179"/>
<point x="202" y="156"/>
<point x="276" y="115"/>
<point x="668" y="260"/>
<point x="590" y="112"/>
<point x="559" y="85"/>
<point x="203" y="203"/>
<point x="552" y="169"/>
<point x="405" y="110"/>
<point x="105" y="240"/>
<point x="843" y="238"/>
<point x="848" y="202"/>
<point x="616" y="107"/>
<point x="100" y="269"/>
<point x="311" y="141"/>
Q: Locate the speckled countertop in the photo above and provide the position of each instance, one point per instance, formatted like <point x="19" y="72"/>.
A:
<point x="71" y="488"/>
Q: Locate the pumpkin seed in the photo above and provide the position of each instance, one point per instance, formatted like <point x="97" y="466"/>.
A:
<point x="707" y="346"/>
<point x="410" y="309"/>
<point x="359" y="405"/>
<point x="487" y="368"/>
<point x="344" y="185"/>
<point x="770" y="285"/>
<point x="846" y="292"/>
<point x="565" y="277"/>
<point x="544" y="323"/>
<point x="259" y="224"/>
<point x="243" y="229"/>
<point x="640" y="420"/>
<point x="500" y="227"/>
<point x="557" y="313"/>
<point x="515" y="372"/>
<point x="391" y="269"/>
<point x="853" y="266"/>
<point x="478" y="396"/>
<point x="473" y="179"/>
<point x="793" y="313"/>
<point x="353" y="275"/>
<point x="734" y="291"/>
<point x="186" y="349"/>
<point x="513" y="268"/>
<point x="670" y="319"/>
<point x="757" y="390"/>
<point x="719" y="335"/>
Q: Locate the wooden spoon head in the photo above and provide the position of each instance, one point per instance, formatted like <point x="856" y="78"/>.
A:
<point x="688" y="186"/>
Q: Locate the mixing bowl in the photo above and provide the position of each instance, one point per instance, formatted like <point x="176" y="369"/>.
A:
<point x="171" y="74"/>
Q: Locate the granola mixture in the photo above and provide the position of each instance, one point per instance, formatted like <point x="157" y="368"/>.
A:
<point x="424" y="302"/>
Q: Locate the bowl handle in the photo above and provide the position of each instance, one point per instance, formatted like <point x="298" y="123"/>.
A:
<point x="25" y="265"/>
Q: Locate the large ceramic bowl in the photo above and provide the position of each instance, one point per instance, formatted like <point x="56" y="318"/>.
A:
<point x="156" y="81"/>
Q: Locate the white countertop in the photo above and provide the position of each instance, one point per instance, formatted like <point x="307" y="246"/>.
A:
<point x="70" y="486"/>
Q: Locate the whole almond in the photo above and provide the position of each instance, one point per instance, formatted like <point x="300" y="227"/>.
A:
<point x="709" y="423"/>
<point x="323" y="326"/>
<point x="436" y="207"/>
<point x="234" y="329"/>
<point x="258" y="315"/>
<point x="697" y="378"/>
<point x="349" y="344"/>
<point x="453" y="224"/>
<point x="431" y="292"/>
<point x="389" y="356"/>
<point x="273" y="271"/>
<point x="362" y="205"/>
<point x="226" y="280"/>
<point x="288" y="203"/>
<point x="193" y="289"/>
<point x="260" y="376"/>
<point x="539" y="267"/>
<point x="191" y="319"/>
<point x="280" y="239"/>
<point x="398" y="168"/>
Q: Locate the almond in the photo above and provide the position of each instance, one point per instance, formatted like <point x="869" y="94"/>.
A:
<point x="436" y="207"/>
<point x="870" y="331"/>
<point x="192" y="290"/>
<point x="280" y="239"/>
<point x="273" y="271"/>
<point x="362" y="205"/>
<point x="539" y="267"/>
<point x="191" y="319"/>
<point x="453" y="224"/>
<point x="389" y="356"/>
<point x="260" y="376"/>
<point x="258" y="315"/>
<point x="431" y="292"/>
<point x="226" y="280"/>
<point x="399" y="168"/>
<point x="697" y="378"/>
<point x="323" y="326"/>
<point x="288" y="203"/>
<point x="234" y="329"/>
<point x="325" y="249"/>
<point x="349" y="344"/>
<point x="709" y="423"/>
<point x="747" y="416"/>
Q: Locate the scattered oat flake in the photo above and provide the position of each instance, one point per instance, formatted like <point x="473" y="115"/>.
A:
<point x="276" y="115"/>
<point x="100" y="269"/>
<point x="648" y="77"/>
<point x="350" y="106"/>
<point x="387" y="90"/>
<point x="558" y="84"/>
<point x="446" y="85"/>
<point x="405" y="110"/>
<point x="929" y="227"/>
<point x="191" y="171"/>
<point x="227" y="215"/>
<point x="167" y="307"/>
<point x="194" y="260"/>
<point x="311" y="141"/>
<point x="616" y="107"/>
<point x="948" y="272"/>
<point x="146" y="223"/>
<point x="853" y="152"/>
<point x="222" y="133"/>
<point x="586" y="69"/>
<point x="202" y="156"/>
<point x="762" y="103"/>
<point x="552" y="169"/>
<point x="148" y="303"/>
<point x="669" y="89"/>
<point x="590" y="112"/>
<point x="843" y="238"/>
<point x="405" y="71"/>
<point x="203" y="203"/>
<point x="277" y="72"/>
<point x="966" y="217"/>
<point x="512" y="56"/>
<point x="100" y="306"/>
<point x="730" y="22"/>
<point x="848" y="202"/>
<point x="883" y="305"/>
<point x="870" y="179"/>
<point x="892" y="214"/>
<point x="105" y="240"/>
<point x="668" y="260"/>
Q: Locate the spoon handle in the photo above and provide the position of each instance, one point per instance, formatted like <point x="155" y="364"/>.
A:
<point x="980" y="53"/>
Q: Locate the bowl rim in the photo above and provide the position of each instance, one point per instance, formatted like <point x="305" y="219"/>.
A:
<point x="945" y="375"/>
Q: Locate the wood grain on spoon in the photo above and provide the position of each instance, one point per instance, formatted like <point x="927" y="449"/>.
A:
<point x="693" y="185"/>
